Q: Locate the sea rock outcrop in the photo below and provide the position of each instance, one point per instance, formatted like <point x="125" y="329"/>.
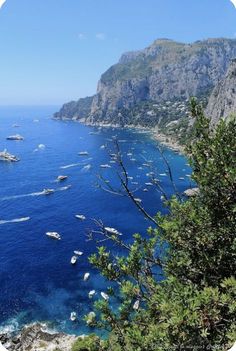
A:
<point x="37" y="337"/>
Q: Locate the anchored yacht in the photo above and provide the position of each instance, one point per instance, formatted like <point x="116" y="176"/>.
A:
<point x="6" y="156"/>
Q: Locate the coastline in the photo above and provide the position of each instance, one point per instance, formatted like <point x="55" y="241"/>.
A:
<point x="37" y="337"/>
<point x="161" y="138"/>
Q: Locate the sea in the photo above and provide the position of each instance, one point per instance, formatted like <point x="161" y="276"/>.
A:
<point x="37" y="280"/>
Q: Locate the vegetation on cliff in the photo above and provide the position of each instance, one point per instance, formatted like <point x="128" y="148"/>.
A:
<point x="151" y="87"/>
<point x="176" y="288"/>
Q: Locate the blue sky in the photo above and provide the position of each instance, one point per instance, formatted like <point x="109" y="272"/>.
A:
<point x="53" y="51"/>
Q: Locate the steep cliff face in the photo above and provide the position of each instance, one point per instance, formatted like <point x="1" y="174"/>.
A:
<point x="222" y="102"/>
<point x="165" y="72"/>
<point x="75" y="110"/>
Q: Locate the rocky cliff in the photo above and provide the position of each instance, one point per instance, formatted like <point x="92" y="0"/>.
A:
<point x="75" y="109"/>
<point x="37" y="337"/>
<point x="222" y="102"/>
<point x="144" y="87"/>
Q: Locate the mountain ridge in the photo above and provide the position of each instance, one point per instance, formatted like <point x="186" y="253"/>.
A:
<point x="143" y="87"/>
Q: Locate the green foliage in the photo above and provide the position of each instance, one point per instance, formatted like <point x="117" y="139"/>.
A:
<point x="88" y="343"/>
<point x="177" y="288"/>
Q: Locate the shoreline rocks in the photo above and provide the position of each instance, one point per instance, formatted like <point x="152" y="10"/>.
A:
<point x="37" y="337"/>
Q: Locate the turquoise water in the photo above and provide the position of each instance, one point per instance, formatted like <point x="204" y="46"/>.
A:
<point x="38" y="283"/>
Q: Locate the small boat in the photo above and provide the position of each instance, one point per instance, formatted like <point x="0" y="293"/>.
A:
<point x="148" y="184"/>
<point x="83" y="153"/>
<point x="163" y="174"/>
<point x="81" y="217"/>
<point x="137" y="200"/>
<point x="15" y="126"/>
<point x="78" y="253"/>
<point x="104" y="296"/>
<point x="73" y="260"/>
<point x="73" y="316"/>
<point x="136" y="305"/>
<point x="66" y="187"/>
<point x="105" y="166"/>
<point x="54" y="235"/>
<point x="91" y="293"/>
<point x="145" y="190"/>
<point x="181" y="178"/>
<point x="48" y="191"/>
<point x="91" y="318"/>
<point x="15" y="137"/>
<point x="86" y="276"/>
<point x="112" y="231"/>
<point x="62" y="177"/>
<point x="6" y="156"/>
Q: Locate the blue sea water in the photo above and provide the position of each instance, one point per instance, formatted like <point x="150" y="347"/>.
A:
<point x="37" y="281"/>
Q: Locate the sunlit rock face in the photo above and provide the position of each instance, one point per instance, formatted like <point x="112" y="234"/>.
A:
<point x="166" y="71"/>
<point x="222" y="103"/>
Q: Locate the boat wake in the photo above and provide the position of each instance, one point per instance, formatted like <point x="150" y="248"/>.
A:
<point x="86" y="168"/>
<point x="16" y="220"/>
<point x="76" y="164"/>
<point x="13" y="197"/>
<point x="70" y="166"/>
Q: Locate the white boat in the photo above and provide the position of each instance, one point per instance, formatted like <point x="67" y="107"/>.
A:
<point x="73" y="260"/>
<point x="145" y="190"/>
<point x="54" y="235"/>
<point x="104" y="296"/>
<point x="6" y="156"/>
<point x="137" y="200"/>
<point x="181" y="178"/>
<point x="105" y="166"/>
<point x="66" y="187"/>
<point x="48" y="191"/>
<point x="112" y="231"/>
<point x="86" y="276"/>
<point x="15" y="126"/>
<point x="83" y="153"/>
<point x="73" y="316"/>
<point x="136" y="305"/>
<point x="91" y="293"/>
<point x="162" y="174"/>
<point x="81" y="217"/>
<point x="91" y="318"/>
<point x="148" y="184"/>
<point x="62" y="177"/>
<point x="15" y="137"/>
<point x="78" y="253"/>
